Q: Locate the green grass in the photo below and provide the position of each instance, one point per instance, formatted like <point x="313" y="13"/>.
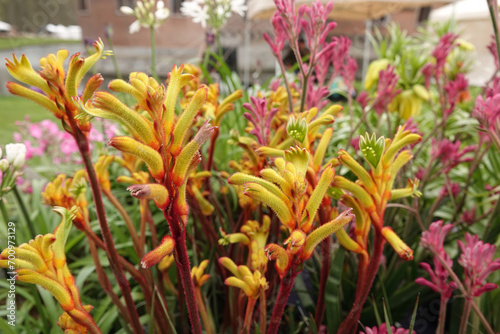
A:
<point x="15" y="42"/>
<point x="15" y="108"/>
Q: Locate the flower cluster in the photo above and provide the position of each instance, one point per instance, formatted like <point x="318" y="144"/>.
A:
<point x="213" y="13"/>
<point x="149" y="13"/>
<point x="42" y="261"/>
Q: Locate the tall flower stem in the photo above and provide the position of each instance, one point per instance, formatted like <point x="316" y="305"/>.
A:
<point x="184" y="269"/>
<point x="3" y="210"/>
<point x="284" y="292"/>
<point x="24" y="211"/>
<point x="493" y="7"/>
<point x="461" y="287"/>
<point x="153" y="53"/>
<point x="203" y="311"/>
<point x="285" y="81"/>
<point x="465" y="316"/>
<point x="247" y="323"/>
<point x="114" y="264"/>
<point x="126" y="219"/>
<point x="325" y="272"/>
<point x="442" y="316"/>
<point x="364" y="284"/>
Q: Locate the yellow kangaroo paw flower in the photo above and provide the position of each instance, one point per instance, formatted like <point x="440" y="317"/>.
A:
<point x="92" y="59"/>
<point x="322" y="232"/>
<point x="242" y="178"/>
<point x="183" y="160"/>
<point x="22" y="70"/>
<point x="92" y="85"/>
<point x="186" y="119"/>
<point x="397" y="145"/>
<point x="299" y="157"/>
<point x="404" y="252"/>
<point x="140" y="124"/>
<point x="154" y="191"/>
<point x="317" y="197"/>
<point x="55" y="288"/>
<point x="402" y="159"/>
<point x="19" y="90"/>
<point x="151" y="157"/>
<point x="359" y="192"/>
<point x="176" y="81"/>
<point x="230" y="265"/>
<point x="295" y="241"/>
<point x="319" y="155"/>
<point x="278" y="253"/>
<point x="153" y="257"/>
<point x="75" y="65"/>
<point x="258" y="192"/>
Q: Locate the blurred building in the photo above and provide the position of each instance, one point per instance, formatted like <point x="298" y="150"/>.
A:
<point x="180" y="40"/>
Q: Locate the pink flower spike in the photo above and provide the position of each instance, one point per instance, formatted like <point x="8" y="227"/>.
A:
<point x="433" y="239"/>
<point x="386" y="89"/>
<point x="478" y="263"/>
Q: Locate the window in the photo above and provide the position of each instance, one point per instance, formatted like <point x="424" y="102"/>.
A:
<point x="423" y="15"/>
<point x="176" y="6"/>
<point x="83" y="5"/>
<point x="128" y="3"/>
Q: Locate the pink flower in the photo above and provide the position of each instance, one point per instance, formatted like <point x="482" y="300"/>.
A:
<point x="477" y="261"/>
<point x="349" y="71"/>
<point x="494" y="88"/>
<point x="449" y="153"/>
<point x="433" y="239"/>
<point x="382" y="329"/>
<point x="493" y="49"/>
<point x="68" y="145"/>
<point x="454" y="187"/>
<point x="363" y="99"/>
<point x="469" y="216"/>
<point x="420" y="173"/>
<point x="340" y="53"/>
<point x="36" y="131"/>
<point x="442" y="50"/>
<point x="457" y="92"/>
<point x="260" y="117"/>
<point x="355" y="143"/>
<point x="386" y="89"/>
<point x="428" y="72"/>
<point x="487" y="112"/>
<point x="315" y="95"/>
<point x="50" y="126"/>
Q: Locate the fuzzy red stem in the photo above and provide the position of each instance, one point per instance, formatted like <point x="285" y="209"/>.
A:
<point x="184" y="270"/>
<point x="281" y="300"/>
<point x="114" y="262"/>
<point x="365" y="282"/>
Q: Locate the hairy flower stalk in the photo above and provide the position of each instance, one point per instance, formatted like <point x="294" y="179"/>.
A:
<point x="370" y="195"/>
<point x="59" y="88"/>
<point x="171" y="157"/>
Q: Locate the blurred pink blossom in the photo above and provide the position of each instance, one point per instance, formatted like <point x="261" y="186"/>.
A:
<point x="457" y="91"/>
<point x="382" y="329"/>
<point x="386" y="89"/>
<point x="260" y="117"/>
<point x="433" y="239"/>
<point x="454" y="187"/>
<point x="478" y="263"/>
<point x="442" y="50"/>
<point x="469" y="216"/>
<point x="450" y="153"/>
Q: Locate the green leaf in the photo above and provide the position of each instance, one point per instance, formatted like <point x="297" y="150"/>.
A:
<point x="414" y="315"/>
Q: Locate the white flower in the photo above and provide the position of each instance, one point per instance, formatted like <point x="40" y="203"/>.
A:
<point x="238" y="6"/>
<point x="4" y="165"/>
<point x="127" y="10"/>
<point x="134" y="27"/>
<point x="16" y="154"/>
<point x="197" y="12"/>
